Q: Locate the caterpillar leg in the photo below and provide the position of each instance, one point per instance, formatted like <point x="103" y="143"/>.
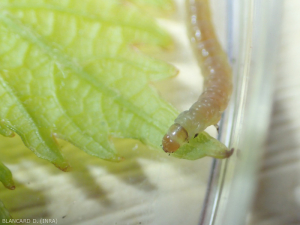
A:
<point x="217" y="127"/>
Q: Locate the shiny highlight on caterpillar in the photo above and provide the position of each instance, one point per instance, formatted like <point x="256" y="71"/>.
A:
<point x="207" y="110"/>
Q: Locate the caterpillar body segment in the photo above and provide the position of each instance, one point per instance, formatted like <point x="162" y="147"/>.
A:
<point x="207" y="110"/>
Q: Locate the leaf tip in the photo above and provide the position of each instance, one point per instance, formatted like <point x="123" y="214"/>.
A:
<point x="9" y="184"/>
<point x="226" y="153"/>
<point x="11" y="187"/>
<point x="117" y="158"/>
<point x="63" y="165"/>
<point x="229" y="153"/>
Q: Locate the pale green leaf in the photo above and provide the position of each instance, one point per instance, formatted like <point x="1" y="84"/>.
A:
<point x="69" y="69"/>
<point x="4" y="214"/>
<point x="156" y="6"/>
<point x="6" y="177"/>
<point x="201" y="146"/>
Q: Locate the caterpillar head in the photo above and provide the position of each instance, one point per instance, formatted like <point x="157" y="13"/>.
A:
<point x="174" y="138"/>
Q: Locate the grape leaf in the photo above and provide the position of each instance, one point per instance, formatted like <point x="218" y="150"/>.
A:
<point x="4" y="214"/>
<point x="6" y="177"/>
<point x="69" y="69"/>
<point x="157" y="7"/>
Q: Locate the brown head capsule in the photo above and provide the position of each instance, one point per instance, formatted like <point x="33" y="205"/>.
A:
<point x="174" y="138"/>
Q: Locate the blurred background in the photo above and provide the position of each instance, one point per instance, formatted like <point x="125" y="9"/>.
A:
<point x="277" y="199"/>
